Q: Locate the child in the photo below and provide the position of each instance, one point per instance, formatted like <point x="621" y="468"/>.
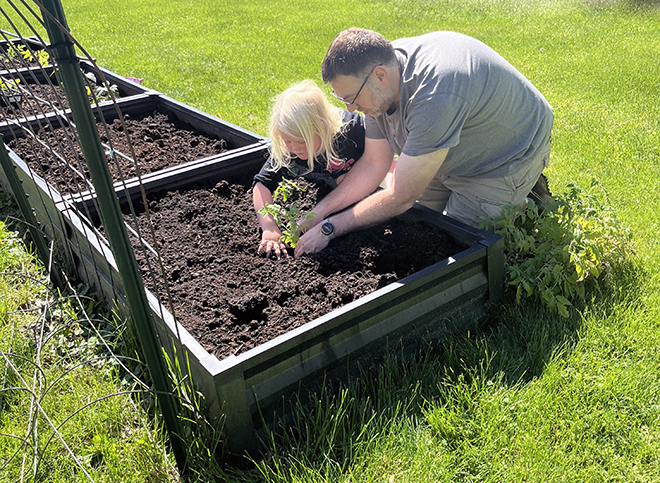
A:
<point x="309" y="137"/>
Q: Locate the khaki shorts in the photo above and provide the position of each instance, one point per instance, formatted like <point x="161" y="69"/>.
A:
<point x="471" y="199"/>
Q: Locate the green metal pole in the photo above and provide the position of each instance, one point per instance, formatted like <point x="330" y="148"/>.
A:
<point x="90" y="143"/>
<point x="21" y="198"/>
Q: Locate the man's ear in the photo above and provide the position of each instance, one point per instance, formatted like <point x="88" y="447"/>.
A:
<point x="381" y="74"/>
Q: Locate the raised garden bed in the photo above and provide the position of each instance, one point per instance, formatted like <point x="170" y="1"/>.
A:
<point x="232" y="300"/>
<point x="48" y="184"/>
<point x="158" y="141"/>
<point x="448" y="295"/>
<point x="160" y="131"/>
<point x="258" y="331"/>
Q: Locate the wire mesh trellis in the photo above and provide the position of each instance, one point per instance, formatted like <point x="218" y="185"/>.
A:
<point x="48" y="347"/>
<point x="46" y="151"/>
<point x="58" y="357"/>
<point x="42" y="130"/>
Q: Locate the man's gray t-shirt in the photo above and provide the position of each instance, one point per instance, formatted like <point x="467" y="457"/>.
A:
<point x="458" y="93"/>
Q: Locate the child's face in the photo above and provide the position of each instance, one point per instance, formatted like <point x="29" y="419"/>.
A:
<point x="298" y="147"/>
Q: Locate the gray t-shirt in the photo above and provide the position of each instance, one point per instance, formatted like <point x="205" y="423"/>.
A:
<point x="458" y="93"/>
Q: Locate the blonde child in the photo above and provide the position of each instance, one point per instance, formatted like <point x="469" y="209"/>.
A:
<point x="309" y="137"/>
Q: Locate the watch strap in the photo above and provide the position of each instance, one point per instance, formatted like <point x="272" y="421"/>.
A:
<point x="331" y="235"/>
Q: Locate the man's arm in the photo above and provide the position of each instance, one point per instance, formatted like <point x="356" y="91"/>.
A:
<point x="363" y="178"/>
<point x="411" y="177"/>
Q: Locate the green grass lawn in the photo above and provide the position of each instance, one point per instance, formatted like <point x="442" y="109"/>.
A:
<point x="61" y="392"/>
<point x="531" y="397"/>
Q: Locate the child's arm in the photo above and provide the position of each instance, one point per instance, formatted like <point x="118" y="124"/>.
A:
<point x="270" y="237"/>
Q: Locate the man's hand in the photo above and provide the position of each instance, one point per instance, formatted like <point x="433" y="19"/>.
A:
<point x="310" y="220"/>
<point x="410" y="179"/>
<point x="311" y="242"/>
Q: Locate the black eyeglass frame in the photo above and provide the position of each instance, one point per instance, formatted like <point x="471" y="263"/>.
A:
<point x="359" y="90"/>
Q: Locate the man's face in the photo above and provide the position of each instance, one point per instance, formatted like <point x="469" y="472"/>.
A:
<point x="374" y="99"/>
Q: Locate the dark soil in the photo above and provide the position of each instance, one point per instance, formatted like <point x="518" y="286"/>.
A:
<point x="40" y="101"/>
<point x="230" y="299"/>
<point x="158" y="142"/>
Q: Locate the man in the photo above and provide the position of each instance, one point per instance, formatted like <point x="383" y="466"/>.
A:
<point x="471" y="132"/>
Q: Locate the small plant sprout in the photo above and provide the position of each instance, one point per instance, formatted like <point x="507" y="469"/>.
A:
<point x="18" y="51"/>
<point x="44" y="58"/>
<point x="102" y="92"/>
<point x="10" y="85"/>
<point x="11" y="94"/>
<point x="21" y="51"/>
<point x="286" y="218"/>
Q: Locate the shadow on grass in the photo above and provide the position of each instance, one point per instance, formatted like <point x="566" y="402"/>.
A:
<point x="10" y="214"/>
<point x="519" y="340"/>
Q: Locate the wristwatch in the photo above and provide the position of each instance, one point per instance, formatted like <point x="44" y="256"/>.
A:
<point x="327" y="229"/>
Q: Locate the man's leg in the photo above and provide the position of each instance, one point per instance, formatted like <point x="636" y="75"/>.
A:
<point x="472" y="199"/>
<point x="436" y="195"/>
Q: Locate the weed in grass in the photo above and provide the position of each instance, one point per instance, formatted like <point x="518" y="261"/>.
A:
<point x="206" y="444"/>
<point x="554" y="255"/>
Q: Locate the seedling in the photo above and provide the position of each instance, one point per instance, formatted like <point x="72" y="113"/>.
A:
<point x="10" y="85"/>
<point x="20" y="50"/>
<point x="102" y="92"/>
<point x="10" y="92"/>
<point x="287" y="219"/>
<point x="43" y="58"/>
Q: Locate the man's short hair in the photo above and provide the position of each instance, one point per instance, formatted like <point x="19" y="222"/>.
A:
<point x="354" y="51"/>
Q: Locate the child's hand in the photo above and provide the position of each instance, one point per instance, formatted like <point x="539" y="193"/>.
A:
<point x="270" y="243"/>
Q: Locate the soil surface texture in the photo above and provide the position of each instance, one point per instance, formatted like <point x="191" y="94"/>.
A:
<point x="158" y="142"/>
<point x="40" y="99"/>
<point x="231" y="299"/>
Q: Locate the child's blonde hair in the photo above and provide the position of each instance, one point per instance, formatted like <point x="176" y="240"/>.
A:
<point x="300" y="112"/>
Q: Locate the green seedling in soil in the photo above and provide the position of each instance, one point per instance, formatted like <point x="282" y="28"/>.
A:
<point x="43" y="58"/>
<point x="20" y="50"/>
<point x="102" y="92"/>
<point x="287" y="218"/>
<point x="10" y="92"/>
<point x="9" y="86"/>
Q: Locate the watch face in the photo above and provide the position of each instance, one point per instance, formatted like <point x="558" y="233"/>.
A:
<point x="327" y="228"/>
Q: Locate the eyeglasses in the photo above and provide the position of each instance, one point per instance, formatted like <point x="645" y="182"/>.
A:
<point x="359" y="90"/>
